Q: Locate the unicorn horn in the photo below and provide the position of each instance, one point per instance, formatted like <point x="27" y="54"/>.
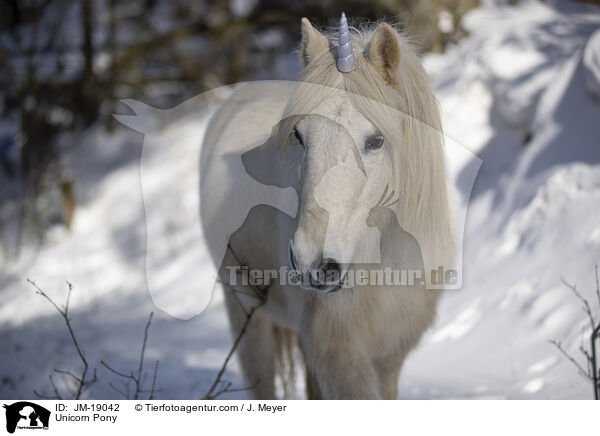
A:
<point x="345" y="61"/>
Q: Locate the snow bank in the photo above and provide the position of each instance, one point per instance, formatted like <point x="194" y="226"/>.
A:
<point x="514" y="93"/>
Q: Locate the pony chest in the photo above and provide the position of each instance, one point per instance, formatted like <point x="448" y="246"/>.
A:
<point x="379" y="316"/>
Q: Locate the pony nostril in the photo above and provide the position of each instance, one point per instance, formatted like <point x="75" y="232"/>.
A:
<point x="328" y="273"/>
<point x="326" y="277"/>
<point x="331" y="266"/>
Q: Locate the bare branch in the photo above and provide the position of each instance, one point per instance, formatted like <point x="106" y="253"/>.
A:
<point x="593" y="371"/>
<point x="111" y="369"/>
<point x="68" y="298"/>
<point x="239" y="302"/>
<point x="54" y="387"/>
<point x="114" y="388"/>
<point x="597" y="285"/>
<point x="153" y="381"/>
<point x="580" y="369"/>
<point x="586" y="305"/>
<point x="141" y="366"/>
<point x="56" y="396"/>
<point x="587" y="355"/>
<point x="81" y="380"/>
<point x="69" y="373"/>
<point x="138" y="377"/>
<point x="214" y="391"/>
<point x="43" y="294"/>
<point x="245" y="388"/>
<point x="90" y="383"/>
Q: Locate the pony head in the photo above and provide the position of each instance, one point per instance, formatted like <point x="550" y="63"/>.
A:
<point x="367" y="128"/>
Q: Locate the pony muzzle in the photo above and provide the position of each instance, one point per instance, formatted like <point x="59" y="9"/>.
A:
<point x="327" y="276"/>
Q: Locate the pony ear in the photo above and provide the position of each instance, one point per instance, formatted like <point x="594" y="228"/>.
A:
<point x="313" y="43"/>
<point x="383" y="52"/>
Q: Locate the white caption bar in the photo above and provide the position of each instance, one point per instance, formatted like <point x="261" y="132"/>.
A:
<point x="301" y="417"/>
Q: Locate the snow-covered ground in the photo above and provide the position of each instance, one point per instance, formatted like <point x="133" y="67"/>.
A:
<point x="514" y="94"/>
<point x="521" y="91"/>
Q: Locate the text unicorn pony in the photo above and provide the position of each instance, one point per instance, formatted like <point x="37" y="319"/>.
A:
<point x="359" y="139"/>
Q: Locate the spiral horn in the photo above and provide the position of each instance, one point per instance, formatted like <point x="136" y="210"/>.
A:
<point x="345" y="61"/>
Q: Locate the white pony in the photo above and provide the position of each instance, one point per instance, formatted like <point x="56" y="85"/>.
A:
<point x="359" y="139"/>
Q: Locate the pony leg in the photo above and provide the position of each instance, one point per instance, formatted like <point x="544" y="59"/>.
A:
<point x="388" y="372"/>
<point x="342" y="369"/>
<point x="312" y="387"/>
<point x="312" y="384"/>
<point x="388" y="381"/>
<point x="256" y="350"/>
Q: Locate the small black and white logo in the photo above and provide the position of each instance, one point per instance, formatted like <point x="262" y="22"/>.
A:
<point x="26" y="415"/>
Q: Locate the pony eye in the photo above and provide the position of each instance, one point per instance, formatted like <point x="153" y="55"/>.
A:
<point x="298" y="137"/>
<point x="374" y="142"/>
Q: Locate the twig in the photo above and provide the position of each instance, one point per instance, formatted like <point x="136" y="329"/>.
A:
<point x="582" y="371"/>
<point x="586" y="305"/>
<point x="597" y="285"/>
<point x="139" y="377"/>
<point x="593" y="372"/>
<point x="213" y="392"/>
<point x="56" y="396"/>
<point x="229" y="389"/>
<point x="153" y="381"/>
<point x="141" y="366"/>
<point x="69" y="373"/>
<point x="81" y="380"/>
<point x="111" y="369"/>
<point x="593" y="360"/>
<point x="114" y="388"/>
<point x="90" y="383"/>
